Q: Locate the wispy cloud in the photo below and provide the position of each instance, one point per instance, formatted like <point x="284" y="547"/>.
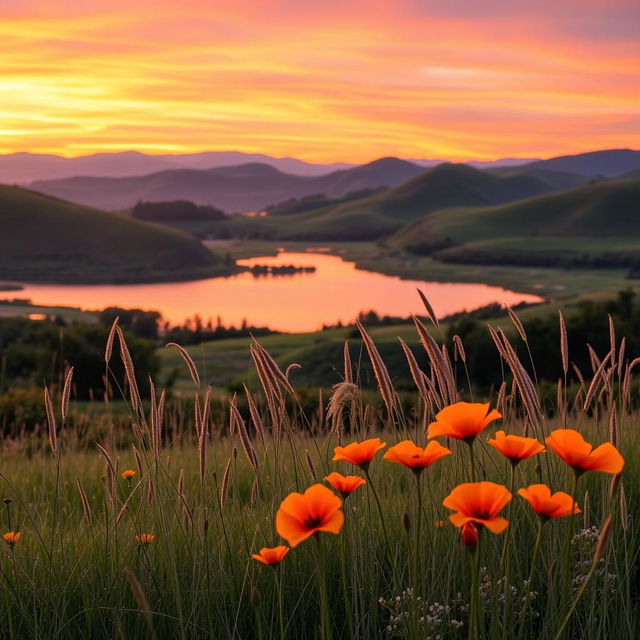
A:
<point x="324" y="82"/>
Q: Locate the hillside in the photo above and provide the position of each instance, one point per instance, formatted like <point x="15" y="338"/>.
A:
<point x="554" y="180"/>
<point x="596" y="222"/>
<point x="247" y="187"/>
<point x="48" y="240"/>
<point x="372" y="217"/>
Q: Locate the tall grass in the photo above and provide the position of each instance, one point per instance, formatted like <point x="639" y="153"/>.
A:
<point x="210" y="494"/>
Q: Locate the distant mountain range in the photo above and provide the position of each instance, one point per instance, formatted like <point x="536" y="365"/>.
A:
<point x="242" y="188"/>
<point x="23" y="168"/>
<point x="254" y="186"/>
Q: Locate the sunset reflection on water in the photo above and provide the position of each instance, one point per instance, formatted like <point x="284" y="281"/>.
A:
<point x="335" y="291"/>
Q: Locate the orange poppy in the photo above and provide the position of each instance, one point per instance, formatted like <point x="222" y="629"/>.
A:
<point x="271" y="556"/>
<point x="546" y="505"/>
<point x="359" y="453"/>
<point x="469" y="534"/>
<point x="515" y="448"/>
<point x="12" y="537"/>
<point x="145" y="538"/>
<point x="462" y="420"/>
<point x="127" y="474"/>
<point x="579" y="454"/>
<point x="478" y="502"/>
<point x="344" y="485"/>
<point x="302" y="514"/>
<point x="415" y="457"/>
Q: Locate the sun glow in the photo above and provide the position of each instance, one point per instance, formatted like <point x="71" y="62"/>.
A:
<point x="320" y="82"/>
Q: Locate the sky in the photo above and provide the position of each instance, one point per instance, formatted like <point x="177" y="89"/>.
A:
<point x="322" y="81"/>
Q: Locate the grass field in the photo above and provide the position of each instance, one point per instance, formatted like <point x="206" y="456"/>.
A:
<point x="396" y="568"/>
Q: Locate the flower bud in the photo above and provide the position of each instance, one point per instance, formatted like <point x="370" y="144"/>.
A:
<point x="469" y="536"/>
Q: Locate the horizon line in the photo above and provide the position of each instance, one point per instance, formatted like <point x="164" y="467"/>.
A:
<point x="310" y="162"/>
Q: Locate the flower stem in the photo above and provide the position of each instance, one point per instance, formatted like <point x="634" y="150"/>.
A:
<point x="380" y="512"/>
<point x="504" y="560"/>
<point x="415" y="558"/>
<point x="348" y="609"/>
<point x="325" y="623"/>
<point x="278" y="573"/>
<point x="564" y="596"/>
<point x="475" y="590"/>
<point x="534" y="558"/>
<point x="472" y="465"/>
<point x="561" y="631"/>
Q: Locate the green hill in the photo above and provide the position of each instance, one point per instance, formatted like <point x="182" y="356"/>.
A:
<point x="369" y="218"/>
<point x="598" y="222"/>
<point x="555" y="180"/>
<point x="48" y="240"/>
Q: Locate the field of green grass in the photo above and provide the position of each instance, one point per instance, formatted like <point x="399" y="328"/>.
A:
<point x="396" y="568"/>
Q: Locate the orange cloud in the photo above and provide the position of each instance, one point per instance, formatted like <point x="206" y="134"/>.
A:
<point x="319" y="82"/>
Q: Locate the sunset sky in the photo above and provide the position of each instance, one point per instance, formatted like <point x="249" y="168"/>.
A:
<point x="322" y="81"/>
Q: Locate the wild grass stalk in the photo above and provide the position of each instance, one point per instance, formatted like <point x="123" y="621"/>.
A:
<point x="195" y="578"/>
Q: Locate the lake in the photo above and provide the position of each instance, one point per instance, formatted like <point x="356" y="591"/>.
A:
<point x="302" y="301"/>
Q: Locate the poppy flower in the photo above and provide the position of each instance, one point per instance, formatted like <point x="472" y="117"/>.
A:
<point x="478" y="502"/>
<point x="145" y="538"/>
<point x="546" y="505"/>
<point x="302" y="514"/>
<point x="12" y="537"/>
<point x="415" y="457"/>
<point x="344" y="485"/>
<point x="515" y="448"/>
<point x="579" y="454"/>
<point x="271" y="556"/>
<point x="469" y="535"/>
<point x="128" y="474"/>
<point x="462" y="420"/>
<point x="359" y="453"/>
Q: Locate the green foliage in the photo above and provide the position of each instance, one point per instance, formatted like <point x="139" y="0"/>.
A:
<point x="38" y="352"/>
<point x="587" y="324"/>
<point x="175" y="210"/>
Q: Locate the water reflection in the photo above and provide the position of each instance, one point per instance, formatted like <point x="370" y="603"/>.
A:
<point x="335" y="291"/>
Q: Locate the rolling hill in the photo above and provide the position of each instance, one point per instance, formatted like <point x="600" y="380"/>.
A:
<point x="598" y="221"/>
<point x="241" y="188"/>
<point x="554" y="180"/>
<point x="372" y="217"/>
<point x="48" y="240"/>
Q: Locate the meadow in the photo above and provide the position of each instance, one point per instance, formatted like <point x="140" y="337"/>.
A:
<point x="165" y="550"/>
